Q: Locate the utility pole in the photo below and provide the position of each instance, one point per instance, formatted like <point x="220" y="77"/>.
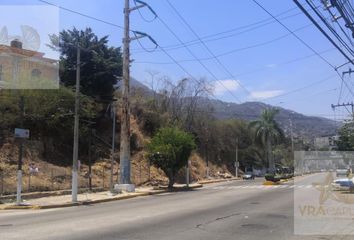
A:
<point x="187" y="173"/>
<point x="90" y="159"/>
<point x="292" y="135"/>
<point x="74" y="183"/>
<point x="113" y="108"/>
<point x="125" y="117"/>
<point x="207" y="159"/>
<point x="125" y="114"/>
<point x="20" y="153"/>
<point x="236" y="160"/>
<point x="351" y="104"/>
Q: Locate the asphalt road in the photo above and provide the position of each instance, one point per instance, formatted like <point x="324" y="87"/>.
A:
<point x="244" y="210"/>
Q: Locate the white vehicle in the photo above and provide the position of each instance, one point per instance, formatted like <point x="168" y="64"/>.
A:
<point x="341" y="172"/>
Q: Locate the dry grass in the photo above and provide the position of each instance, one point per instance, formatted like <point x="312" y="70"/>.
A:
<point x="53" y="177"/>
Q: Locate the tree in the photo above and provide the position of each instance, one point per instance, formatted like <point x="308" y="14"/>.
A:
<point x="101" y="64"/>
<point x="267" y="132"/>
<point x="346" y="137"/>
<point x="170" y="150"/>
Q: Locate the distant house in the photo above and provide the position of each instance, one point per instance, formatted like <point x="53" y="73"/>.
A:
<point x="25" y="69"/>
<point x="326" y="142"/>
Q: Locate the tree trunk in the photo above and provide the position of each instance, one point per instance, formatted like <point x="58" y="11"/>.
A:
<point x="171" y="180"/>
<point x="270" y="157"/>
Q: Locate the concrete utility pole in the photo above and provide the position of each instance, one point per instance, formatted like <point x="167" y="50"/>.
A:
<point x="125" y="116"/>
<point x="111" y="183"/>
<point x="236" y="160"/>
<point x="124" y="177"/>
<point x="90" y="159"/>
<point x="292" y="135"/>
<point x="334" y="106"/>
<point x="207" y="160"/>
<point x="74" y="183"/>
<point x="20" y="152"/>
<point x="187" y="172"/>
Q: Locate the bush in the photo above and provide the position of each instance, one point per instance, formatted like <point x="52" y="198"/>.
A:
<point x="272" y="177"/>
<point x="169" y="150"/>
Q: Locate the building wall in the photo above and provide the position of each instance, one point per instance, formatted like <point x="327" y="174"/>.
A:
<point x="27" y="72"/>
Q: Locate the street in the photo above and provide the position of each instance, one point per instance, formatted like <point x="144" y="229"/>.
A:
<point x="232" y="210"/>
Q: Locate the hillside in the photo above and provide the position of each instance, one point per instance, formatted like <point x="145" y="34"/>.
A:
<point x="308" y="127"/>
<point x="54" y="176"/>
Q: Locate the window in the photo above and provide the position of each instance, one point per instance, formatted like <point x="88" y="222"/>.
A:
<point x="36" y="73"/>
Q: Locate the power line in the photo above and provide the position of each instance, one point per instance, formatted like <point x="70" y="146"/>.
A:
<point x="303" y="88"/>
<point x="181" y="67"/>
<point x="326" y="35"/>
<point x="83" y="14"/>
<point x="234" y="50"/>
<point x="322" y="31"/>
<point x="303" y="42"/>
<point x="293" y="33"/>
<point x="195" y="57"/>
<point x="206" y="47"/>
<point x="251" y="27"/>
<point x="214" y="37"/>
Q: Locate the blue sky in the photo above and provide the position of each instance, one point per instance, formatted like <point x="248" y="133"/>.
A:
<point x="262" y="68"/>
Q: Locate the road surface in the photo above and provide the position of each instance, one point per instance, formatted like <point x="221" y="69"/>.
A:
<point x="244" y="210"/>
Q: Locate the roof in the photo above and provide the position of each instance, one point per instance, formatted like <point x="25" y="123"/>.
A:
<point x="25" y="53"/>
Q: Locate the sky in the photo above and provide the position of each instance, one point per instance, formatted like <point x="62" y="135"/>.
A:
<point x="255" y="61"/>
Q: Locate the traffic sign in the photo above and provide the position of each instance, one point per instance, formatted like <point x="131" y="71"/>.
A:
<point x="21" y="133"/>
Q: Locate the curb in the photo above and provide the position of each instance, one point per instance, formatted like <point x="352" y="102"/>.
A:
<point x="46" y="194"/>
<point x="218" y="180"/>
<point x="270" y="183"/>
<point x="37" y="207"/>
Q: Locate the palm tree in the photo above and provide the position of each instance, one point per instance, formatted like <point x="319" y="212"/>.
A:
<point x="267" y="132"/>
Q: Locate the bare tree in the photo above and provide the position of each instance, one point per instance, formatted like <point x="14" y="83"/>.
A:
<point x="154" y="84"/>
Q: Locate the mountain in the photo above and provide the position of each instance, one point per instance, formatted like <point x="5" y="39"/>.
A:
<point x="307" y="127"/>
<point x="136" y="87"/>
<point x="302" y="125"/>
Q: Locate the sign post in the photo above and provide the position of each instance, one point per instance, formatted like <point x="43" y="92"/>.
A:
<point x="237" y="164"/>
<point x="21" y="134"/>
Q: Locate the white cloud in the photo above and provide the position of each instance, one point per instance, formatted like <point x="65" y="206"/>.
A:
<point x="261" y="95"/>
<point x="271" y="65"/>
<point x="222" y="86"/>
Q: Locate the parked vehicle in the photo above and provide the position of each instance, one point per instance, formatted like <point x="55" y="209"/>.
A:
<point x="248" y="176"/>
<point x="343" y="184"/>
<point x="342" y="172"/>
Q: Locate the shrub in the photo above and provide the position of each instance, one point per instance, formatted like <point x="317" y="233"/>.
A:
<point x="169" y="150"/>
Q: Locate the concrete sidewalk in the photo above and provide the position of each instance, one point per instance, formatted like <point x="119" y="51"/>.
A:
<point x="88" y="198"/>
<point x="58" y="200"/>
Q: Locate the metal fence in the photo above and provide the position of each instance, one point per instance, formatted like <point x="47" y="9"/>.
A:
<point x="48" y="177"/>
